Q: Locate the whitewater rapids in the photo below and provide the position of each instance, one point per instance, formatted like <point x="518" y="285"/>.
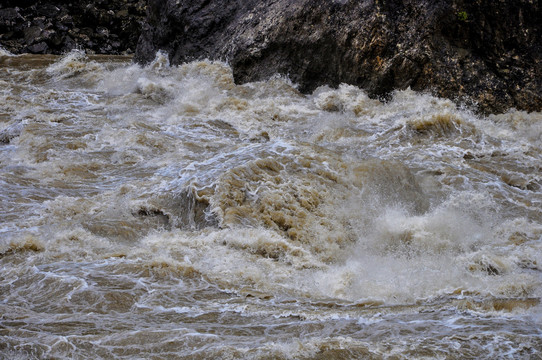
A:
<point x="166" y="212"/>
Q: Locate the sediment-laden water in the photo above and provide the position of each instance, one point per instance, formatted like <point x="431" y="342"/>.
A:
<point x="164" y="212"/>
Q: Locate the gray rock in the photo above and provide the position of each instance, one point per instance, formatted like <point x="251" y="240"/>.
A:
<point x="39" y="48"/>
<point x="488" y="53"/>
<point x="32" y="34"/>
<point x="9" y="14"/>
<point x="48" y="10"/>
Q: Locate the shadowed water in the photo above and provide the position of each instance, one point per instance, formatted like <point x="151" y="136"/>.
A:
<point x="166" y="212"/>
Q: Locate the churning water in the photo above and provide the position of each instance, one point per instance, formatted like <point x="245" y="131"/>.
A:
<point x="165" y="212"/>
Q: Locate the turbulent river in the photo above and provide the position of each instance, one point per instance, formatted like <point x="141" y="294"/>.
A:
<point x="164" y="212"/>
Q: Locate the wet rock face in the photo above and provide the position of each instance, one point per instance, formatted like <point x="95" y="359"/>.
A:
<point x="55" y="27"/>
<point x="485" y="52"/>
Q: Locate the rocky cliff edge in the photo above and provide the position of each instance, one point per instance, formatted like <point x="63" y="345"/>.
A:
<point x="487" y="53"/>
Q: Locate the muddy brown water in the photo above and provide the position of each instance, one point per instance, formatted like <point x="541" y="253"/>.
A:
<point x="165" y="212"/>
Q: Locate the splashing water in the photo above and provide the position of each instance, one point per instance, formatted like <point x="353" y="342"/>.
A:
<point x="166" y="212"/>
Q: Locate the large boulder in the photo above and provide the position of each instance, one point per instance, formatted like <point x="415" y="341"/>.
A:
<point x="485" y="52"/>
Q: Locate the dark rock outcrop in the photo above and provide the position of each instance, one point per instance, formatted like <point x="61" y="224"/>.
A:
<point x="55" y="27"/>
<point x="486" y="52"/>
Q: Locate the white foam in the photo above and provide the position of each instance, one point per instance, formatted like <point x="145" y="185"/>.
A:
<point x="4" y="52"/>
<point x="331" y="213"/>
